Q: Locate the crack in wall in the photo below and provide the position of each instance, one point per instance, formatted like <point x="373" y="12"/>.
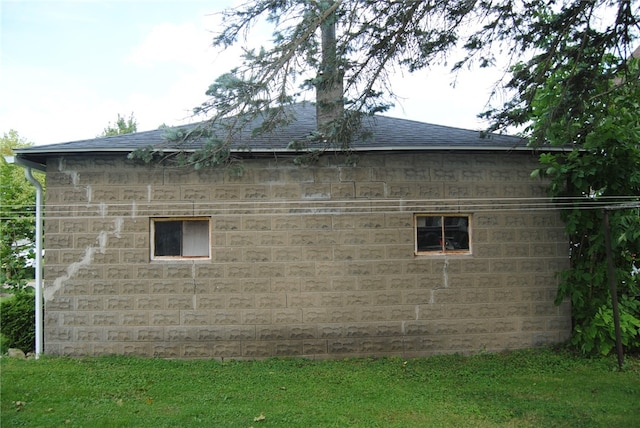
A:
<point x="445" y="281"/>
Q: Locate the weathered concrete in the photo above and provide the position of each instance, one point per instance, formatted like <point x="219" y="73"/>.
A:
<point x="307" y="261"/>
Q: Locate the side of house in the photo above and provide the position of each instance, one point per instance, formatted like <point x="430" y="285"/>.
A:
<point x="405" y="253"/>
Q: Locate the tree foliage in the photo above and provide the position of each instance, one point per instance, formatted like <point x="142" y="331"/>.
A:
<point x="17" y="321"/>
<point x="600" y="168"/>
<point x="355" y="46"/>
<point x="17" y="216"/>
<point x="122" y="125"/>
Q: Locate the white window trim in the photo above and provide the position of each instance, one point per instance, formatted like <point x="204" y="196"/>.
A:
<point x="152" y="233"/>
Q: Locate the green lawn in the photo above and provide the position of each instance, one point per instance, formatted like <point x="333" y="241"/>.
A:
<point x="519" y="389"/>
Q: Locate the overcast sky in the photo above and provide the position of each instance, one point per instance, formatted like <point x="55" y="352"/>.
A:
<point x="68" y="68"/>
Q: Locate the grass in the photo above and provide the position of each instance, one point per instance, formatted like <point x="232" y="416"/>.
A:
<point x="518" y="389"/>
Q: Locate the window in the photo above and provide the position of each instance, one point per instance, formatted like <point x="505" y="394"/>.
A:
<point x="180" y="238"/>
<point x="442" y="234"/>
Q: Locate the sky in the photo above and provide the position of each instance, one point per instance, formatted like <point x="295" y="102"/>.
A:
<point x="68" y="68"/>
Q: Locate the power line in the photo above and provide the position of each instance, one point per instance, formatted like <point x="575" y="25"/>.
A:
<point x="325" y="207"/>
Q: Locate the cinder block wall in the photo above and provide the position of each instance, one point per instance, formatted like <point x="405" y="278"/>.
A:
<point x="306" y="261"/>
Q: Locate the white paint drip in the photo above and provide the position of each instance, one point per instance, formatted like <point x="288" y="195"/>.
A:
<point x="118" y="222"/>
<point x="72" y="269"/>
<point x="445" y="273"/>
<point x="195" y="284"/>
<point x="102" y="240"/>
<point x="148" y="192"/>
<point x="417" y="312"/>
<point x="75" y="177"/>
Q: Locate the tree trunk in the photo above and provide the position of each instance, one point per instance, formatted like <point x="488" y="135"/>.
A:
<point x="329" y="87"/>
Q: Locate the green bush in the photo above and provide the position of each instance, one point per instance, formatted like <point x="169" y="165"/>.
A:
<point x="17" y="321"/>
<point x="4" y="344"/>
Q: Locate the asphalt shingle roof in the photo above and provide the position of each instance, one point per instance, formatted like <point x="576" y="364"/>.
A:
<point x="385" y="133"/>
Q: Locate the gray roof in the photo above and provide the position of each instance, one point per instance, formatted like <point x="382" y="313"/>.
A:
<point x="386" y="134"/>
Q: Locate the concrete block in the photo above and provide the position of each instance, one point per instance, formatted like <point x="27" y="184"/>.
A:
<point x="314" y="347"/>
<point x="166" y="351"/>
<point x="331" y="331"/>
<point x="140" y="318"/>
<point x="256" y="316"/>
<point x="342" y="315"/>
<point x="315" y="191"/>
<point x="314" y="315"/>
<point x="75" y="319"/>
<point x="197" y="350"/>
<point x="269" y="332"/>
<point x="90" y="303"/>
<point x="180" y="302"/>
<point x="373" y="252"/>
<point x="195" y="193"/>
<point x="241" y="332"/>
<point x="302" y="331"/>
<point x="136" y="349"/>
<point x="149" y="334"/>
<point x="371" y="283"/>
<point x="89" y="334"/>
<point x="343" y="190"/>
<point x="119" y="303"/>
<point x="104" y="349"/>
<point x="287" y="316"/>
<point x="104" y="319"/>
<point x="165" y="318"/>
<point x="150" y="302"/>
<point x="286" y="191"/>
<point x="257" y="349"/>
<point x="226" y="317"/>
<point x="408" y="312"/>
<point x="343" y="346"/>
<point x="152" y="271"/>
<point x="119" y="335"/>
<point x="134" y="287"/>
<point x="226" y="349"/>
<point x="370" y="190"/>
<point x="288" y="348"/>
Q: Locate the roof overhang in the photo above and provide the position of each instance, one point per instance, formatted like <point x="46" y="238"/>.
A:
<point x="17" y="160"/>
<point x="37" y="159"/>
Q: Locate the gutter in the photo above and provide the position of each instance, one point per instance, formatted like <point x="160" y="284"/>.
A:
<point x="23" y="157"/>
<point x="28" y="172"/>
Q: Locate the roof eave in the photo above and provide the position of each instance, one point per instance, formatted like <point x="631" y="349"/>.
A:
<point x="25" y="155"/>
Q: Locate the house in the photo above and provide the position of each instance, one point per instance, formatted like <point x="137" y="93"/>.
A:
<point x="435" y="241"/>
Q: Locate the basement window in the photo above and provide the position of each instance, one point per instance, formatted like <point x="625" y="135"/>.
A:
<point x="180" y="238"/>
<point x="440" y="234"/>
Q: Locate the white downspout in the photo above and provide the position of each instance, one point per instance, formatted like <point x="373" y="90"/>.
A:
<point x="39" y="310"/>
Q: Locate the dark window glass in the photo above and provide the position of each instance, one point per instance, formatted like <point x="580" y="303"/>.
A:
<point x="456" y="233"/>
<point x="168" y="238"/>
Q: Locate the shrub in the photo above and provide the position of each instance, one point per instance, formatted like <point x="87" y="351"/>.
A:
<point x="17" y="321"/>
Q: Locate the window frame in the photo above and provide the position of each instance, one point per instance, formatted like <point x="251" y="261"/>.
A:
<point x="442" y="250"/>
<point x="152" y="238"/>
